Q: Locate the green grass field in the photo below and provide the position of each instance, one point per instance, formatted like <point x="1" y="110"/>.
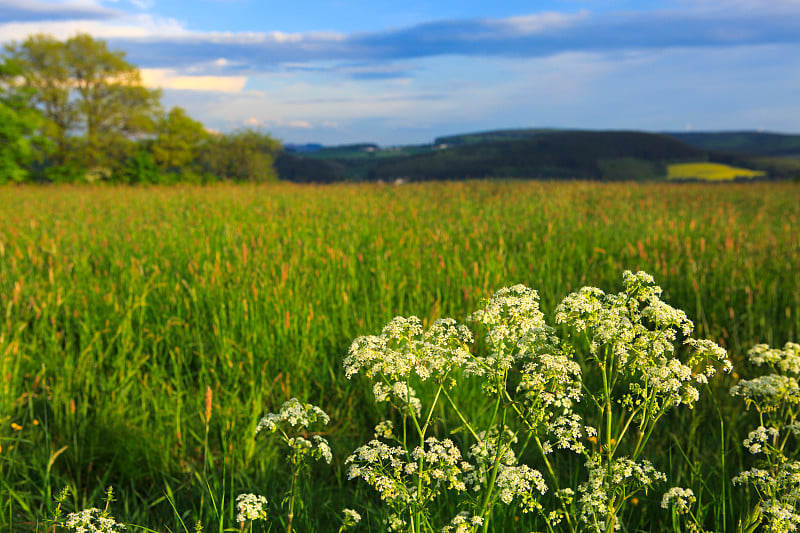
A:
<point x="121" y="307"/>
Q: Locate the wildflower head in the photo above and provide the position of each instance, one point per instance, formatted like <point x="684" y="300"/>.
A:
<point x="349" y="519"/>
<point x="250" y="507"/>
<point x="678" y="499"/>
<point x="768" y="393"/>
<point x="295" y="413"/>
<point x="93" y="520"/>
<point x="786" y="361"/>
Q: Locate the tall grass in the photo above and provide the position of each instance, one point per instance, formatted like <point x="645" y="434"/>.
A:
<point x="122" y="306"/>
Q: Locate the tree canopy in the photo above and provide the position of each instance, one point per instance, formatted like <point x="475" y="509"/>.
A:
<point x="75" y="110"/>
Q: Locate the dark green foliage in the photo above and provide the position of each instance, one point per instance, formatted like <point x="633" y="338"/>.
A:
<point x="244" y="155"/>
<point x="139" y="168"/>
<point x="71" y="172"/>
<point x="300" y="169"/>
<point x="743" y="142"/>
<point x="491" y="136"/>
<point x="19" y="125"/>
<point x="554" y="155"/>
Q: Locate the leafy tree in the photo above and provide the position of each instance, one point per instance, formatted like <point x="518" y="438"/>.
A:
<point x="84" y="88"/>
<point x="111" y="100"/>
<point x="19" y="124"/>
<point x="244" y="155"/>
<point x="178" y="141"/>
<point x="139" y="168"/>
<point x="41" y="61"/>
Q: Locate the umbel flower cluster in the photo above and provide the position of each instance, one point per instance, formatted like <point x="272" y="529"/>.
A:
<point x="92" y="521"/>
<point x="289" y="424"/>
<point x="773" y="444"/>
<point x="595" y="385"/>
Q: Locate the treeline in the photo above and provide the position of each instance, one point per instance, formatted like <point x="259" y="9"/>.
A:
<point x="564" y="155"/>
<point x="76" y="111"/>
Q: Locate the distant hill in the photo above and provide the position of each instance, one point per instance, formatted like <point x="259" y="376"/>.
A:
<point x="492" y="136"/>
<point x="743" y="142"/>
<point x="544" y="153"/>
<point x="610" y="155"/>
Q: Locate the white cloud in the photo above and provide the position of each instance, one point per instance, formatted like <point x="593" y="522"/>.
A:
<point x="129" y="27"/>
<point x="171" y="79"/>
<point x="539" y="22"/>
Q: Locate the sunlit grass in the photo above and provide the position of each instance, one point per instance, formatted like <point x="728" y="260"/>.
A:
<point x="121" y="307"/>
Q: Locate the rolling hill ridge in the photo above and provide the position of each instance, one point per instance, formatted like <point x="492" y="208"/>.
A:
<point x="546" y="154"/>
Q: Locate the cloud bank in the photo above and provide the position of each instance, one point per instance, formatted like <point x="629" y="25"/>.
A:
<point x="713" y="63"/>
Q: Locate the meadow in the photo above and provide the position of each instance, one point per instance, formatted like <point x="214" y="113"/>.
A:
<point x="147" y="330"/>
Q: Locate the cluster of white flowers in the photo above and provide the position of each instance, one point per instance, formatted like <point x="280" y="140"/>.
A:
<point x="383" y="467"/>
<point x="783" y="479"/>
<point x="606" y="480"/>
<point x="518" y="482"/>
<point x="785" y="360"/>
<point x="493" y="446"/>
<point x="92" y="521"/>
<point x="579" y="309"/>
<point x="568" y="431"/>
<point x="642" y="341"/>
<point x="632" y="336"/>
<point x="511" y="318"/>
<point x="674" y="382"/>
<point x="768" y="392"/>
<point x="757" y="438"/>
<point x="679" y="499"/>
<point x="319" y="449"/>
<point x="403" y="349"/>
<point x="550" y="386"/>
<point x="463" y="522"/>
<point x="441" y="461"/>
<point x="384" y="430"/>
<point x="350" y="518"/>
<point x="663" y="316"/>
<point x="706" y="351"/>
<point x="400" y="394"/>
<point x="780" y="516"/>
<point x="250" y="507"/>
<point x="296" y="413"/>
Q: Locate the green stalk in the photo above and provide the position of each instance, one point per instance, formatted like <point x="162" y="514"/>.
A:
<point x="290" y="515"/>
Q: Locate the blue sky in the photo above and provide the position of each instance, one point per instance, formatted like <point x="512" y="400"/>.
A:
<point x="342" y="71"/>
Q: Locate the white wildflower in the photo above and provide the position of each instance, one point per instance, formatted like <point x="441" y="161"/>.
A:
<point x="384" y="430"/>
<point x="768" y="392"/>
<point x="92" y="521"/>
<point x="786" y="360"/>
<point x="519" y="482"/>
<point x="250" y="507"/>
<point x="679" y="499"/>
<point x="759" y="437"/>
<point x="294" y="412"/>
<point x="350" y="518"/>
<point x="463" y="522"/>
<point x="780" y="516"/>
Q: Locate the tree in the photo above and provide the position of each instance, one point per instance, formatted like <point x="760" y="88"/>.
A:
<point x="178" y="141"/>
<point x="42" y="63"/>
<point x="84" y="88"/>
<point x="19" y="124"/>
<point x="243" y="155"/>
<point x="111" y="100"/>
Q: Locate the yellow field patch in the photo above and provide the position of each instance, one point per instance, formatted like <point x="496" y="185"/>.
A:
<point x="710" y="172"/>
